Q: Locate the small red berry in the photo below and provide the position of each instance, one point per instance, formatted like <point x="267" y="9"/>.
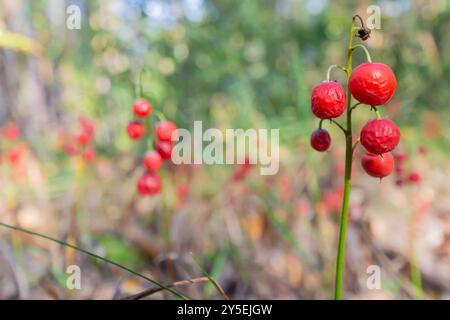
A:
<point x="89" y="155"/>
<point x="11" y="131"/>
<point x="380" y="136"/>
<point x="87" y="125"/>
<point x="71" y="149"/>
<point x="422" y="150"/>
<point x="328" y="100"/>
<point x="414" y="177"/>
<point x="399" y="182"/>
<point x="372" y="83"/>
<point x="153" y="161"/>
<point x="400" y="157"/>
<point x="83" y="138"/>
<point x="164" y="148"/>
<point x="320" y="140"/>
<point x="135" y="129"/>
<point x="142" y="108"/>
<point x="149" y="184"/>
<point x="165" y="129"/>
<point x="15" y="153"/>
<point x="378" y="165"/>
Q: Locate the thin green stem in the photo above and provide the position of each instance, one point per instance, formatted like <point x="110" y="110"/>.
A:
<point x="17" y="228"/>
<point x="355" y="105"/>
<point x="161" y="117"/>
<point x="330" y="68"/>
<point x="339" y="125"/>
<point x="365" y="51"/>
<point x="340" y="260"/>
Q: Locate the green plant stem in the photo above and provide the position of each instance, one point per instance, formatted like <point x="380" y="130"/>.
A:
<point x="175" y="293"/>
<point x="340" y="260"/>
<point x="365" y="51"/>
<point x="330" y="68"/>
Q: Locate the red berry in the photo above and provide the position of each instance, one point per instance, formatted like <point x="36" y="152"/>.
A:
<point x="328" y="100"/>
<point x="89" y="155"/>
<point x="164" y="148"/>
<point x="83" y="138"/>
<point x="165" y="129"/>
<point x="378" y="165"/>
<point x="71" y="149"/>
<point x="87" y="125"/>
<point x="142" y="108"/>
<point x="11" y="131"/>
<point x="15" y="153"/>
<point x="400" y="157"/>
<point x="399" y="182"/>
<point x="149" y="184"/>
<point x="372" y="83"/>
<point x="320" y="140"/>
<point x="414" y="177"/>
<point x="422" y="150"/>
<point x="153" y="161"/>
<point x="135" y="129"/>
<point x="380" y="136"/>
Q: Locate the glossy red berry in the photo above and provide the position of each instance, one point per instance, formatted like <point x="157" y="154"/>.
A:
<point x="320" y="140"/>
<point x="149" y="184"/>
<point x="378" y="165"/>
<point x="142" y="108"/>
<point x="380" y="136"/>
<point x="164" y="148"/>
<point x="372" y="83"/>
<point x="135" y="129"/>
<point x="165" y="129"/>
<point x="328" y="100"/>
<point x="153" y="161"/>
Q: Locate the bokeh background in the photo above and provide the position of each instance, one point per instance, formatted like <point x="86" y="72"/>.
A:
<point x="231" y="64"/>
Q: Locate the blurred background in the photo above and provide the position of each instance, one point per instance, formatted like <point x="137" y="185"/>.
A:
<point x="231" y="64"/>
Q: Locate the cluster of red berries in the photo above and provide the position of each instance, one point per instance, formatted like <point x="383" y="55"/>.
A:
<point x="14" y="150"/>
<point x="401" y="177"/>
<point x="150" y="183"/>
<point x="81" y="142"/>
<point x="372" y="84"/>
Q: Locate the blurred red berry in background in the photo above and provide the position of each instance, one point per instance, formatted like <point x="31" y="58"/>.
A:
<point x="83" y="138"/>
<point x="87" y="125"/>
<point x="142" y="108"/>
<point x="135" y="129"/>
<point x="149" y="184"/>
<point x="414" y="177"/>
<point x="71" y="149"/>
<point x="422" y="150"/>
<point x="11" y="131"/>
<point x="164" y="148"/>
<point x="165" y="129"/>
<point x="153" y="161"/>
<point x="89" y="154"/>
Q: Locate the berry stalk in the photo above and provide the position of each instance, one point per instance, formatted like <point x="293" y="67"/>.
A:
<point x="340" y="260"/>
